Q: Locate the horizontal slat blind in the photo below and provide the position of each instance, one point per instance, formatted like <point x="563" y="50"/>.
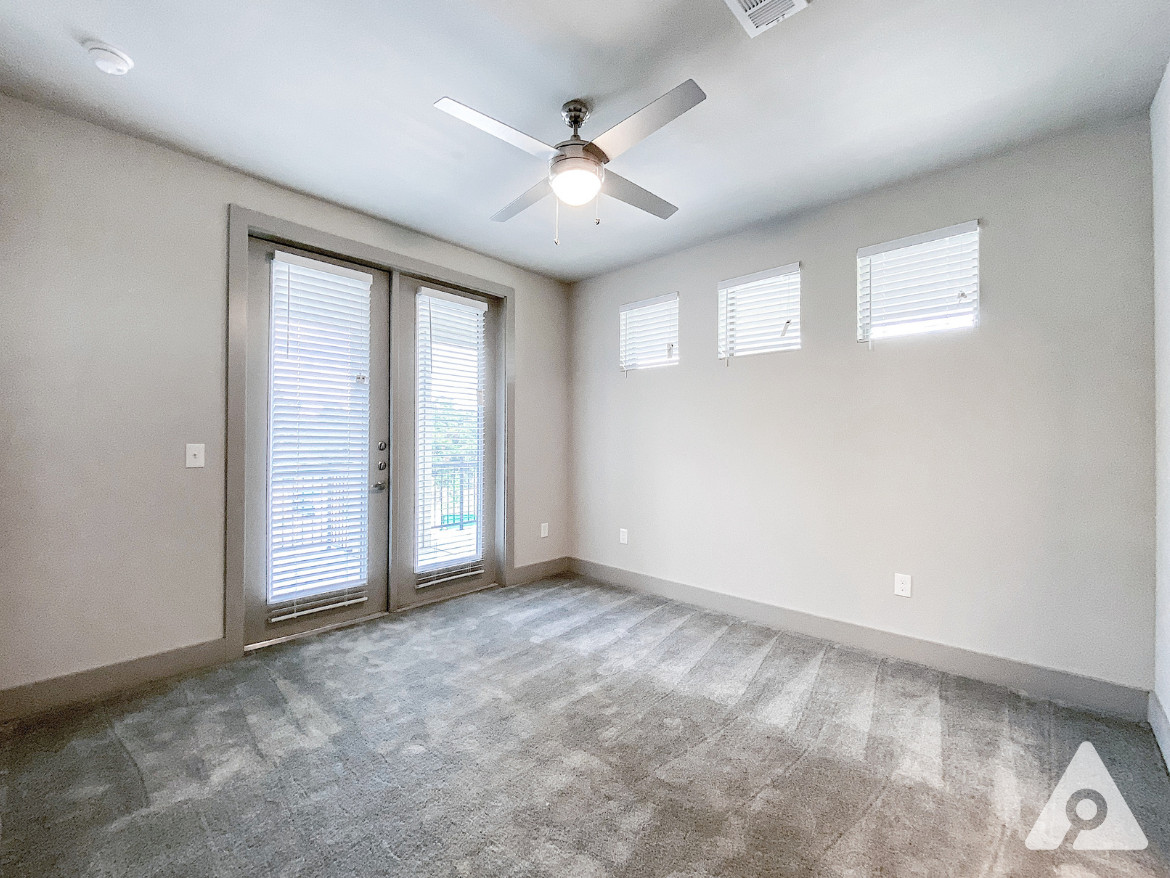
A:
<point x="319" y="434"/>
<point x="922" y="284"/>
<point x="648" y="333"/>
<point x="760" y="313"/>
<point x="452" y="359"/>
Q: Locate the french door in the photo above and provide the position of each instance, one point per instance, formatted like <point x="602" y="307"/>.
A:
<point x="446" y="508"/>
<point x="370" y="473"/>
<point x="317" y="474"/>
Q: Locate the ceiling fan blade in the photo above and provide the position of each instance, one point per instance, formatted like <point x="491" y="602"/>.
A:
<point x="649" y="119"/>
<point x="496" y="128"/>
<point x="633" y="194"/>
<point x="525" y="201"/>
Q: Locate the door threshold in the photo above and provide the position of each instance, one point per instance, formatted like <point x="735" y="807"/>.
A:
<point x="431" y="598"/>
<point x="274" y="641"/>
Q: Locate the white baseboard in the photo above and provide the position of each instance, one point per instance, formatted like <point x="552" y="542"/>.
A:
<point x="1047" y="684"/>
<point x="1160" y="723"/>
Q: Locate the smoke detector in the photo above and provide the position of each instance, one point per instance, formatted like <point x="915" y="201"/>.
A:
<point x="757" y="16"/>
<point x="108" y="59"/>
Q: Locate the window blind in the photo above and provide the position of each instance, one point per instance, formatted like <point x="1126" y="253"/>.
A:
<point x="760" y="313"/>
<point x="319" y="436"/>
<point x="922" y="284"/>
<point x="648" y="333"/>
<point x="452" y="359"/>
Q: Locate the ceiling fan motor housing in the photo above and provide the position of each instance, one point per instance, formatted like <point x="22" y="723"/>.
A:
<point x="576" y="149"/>
<point x="574" y="155"/>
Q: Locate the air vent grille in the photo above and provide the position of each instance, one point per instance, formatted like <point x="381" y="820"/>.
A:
<point x="757" y="16"/>
<point x="767" y="12"/>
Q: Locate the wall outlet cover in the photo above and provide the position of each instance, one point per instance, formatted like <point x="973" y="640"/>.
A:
<point x="196" y="455"/>
<point x="623" y="535"/>
<point x="902" y="585"/>
<point x="543" y="529"/>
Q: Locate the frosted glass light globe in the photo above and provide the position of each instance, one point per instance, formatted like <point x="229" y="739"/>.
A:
<point x="575" y="181"/>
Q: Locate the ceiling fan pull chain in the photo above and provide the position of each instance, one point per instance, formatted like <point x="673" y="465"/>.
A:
<point x="557" y="223"/>
<point x="597" y="209"/>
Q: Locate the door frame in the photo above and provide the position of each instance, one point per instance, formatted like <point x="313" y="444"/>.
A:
<point x="244" y="224"/>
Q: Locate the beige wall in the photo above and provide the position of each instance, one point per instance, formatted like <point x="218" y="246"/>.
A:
<point x="1009" y="470"/>
<point x="1160" y="138"/>
<point x="113" y="299"/>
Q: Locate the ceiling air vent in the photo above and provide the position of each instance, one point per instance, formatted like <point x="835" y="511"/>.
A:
<point x="757" y="16"/>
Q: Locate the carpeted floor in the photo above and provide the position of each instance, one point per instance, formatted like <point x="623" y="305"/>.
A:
<point x="562" y="729"/>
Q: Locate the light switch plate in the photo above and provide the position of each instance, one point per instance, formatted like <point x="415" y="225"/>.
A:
<point x="543" y="529"/>
<point x="902" y="585"/>
<point x="196" y="454"/>
<point x="623" y="536"/>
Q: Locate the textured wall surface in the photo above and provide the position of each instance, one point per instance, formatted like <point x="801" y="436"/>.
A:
<point x="113" y="254"/>
<point x="1009" y="469"/>
<point x="1160" y="138"/>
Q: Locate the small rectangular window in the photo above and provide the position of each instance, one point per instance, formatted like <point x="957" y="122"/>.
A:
<point x="926" y="283"/>
<point x="648" y="333"/>
<point x="760" y="313"/>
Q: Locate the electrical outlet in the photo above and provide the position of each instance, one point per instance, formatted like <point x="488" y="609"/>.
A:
<point x="196" y="455"/>
<point x="623" y="535"/>
<point x="543" y="529"/>
<point x="902" y="585"/>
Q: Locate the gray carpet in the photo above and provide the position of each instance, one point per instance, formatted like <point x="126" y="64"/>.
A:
<point x="562" y="729"/>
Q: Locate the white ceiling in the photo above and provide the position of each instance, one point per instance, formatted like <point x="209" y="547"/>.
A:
<point x="335" y="98"/>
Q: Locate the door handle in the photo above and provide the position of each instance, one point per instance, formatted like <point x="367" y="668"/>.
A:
<point x="378" y="486"/>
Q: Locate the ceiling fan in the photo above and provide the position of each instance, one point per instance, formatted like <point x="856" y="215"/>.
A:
<point x="576" y="167"/>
